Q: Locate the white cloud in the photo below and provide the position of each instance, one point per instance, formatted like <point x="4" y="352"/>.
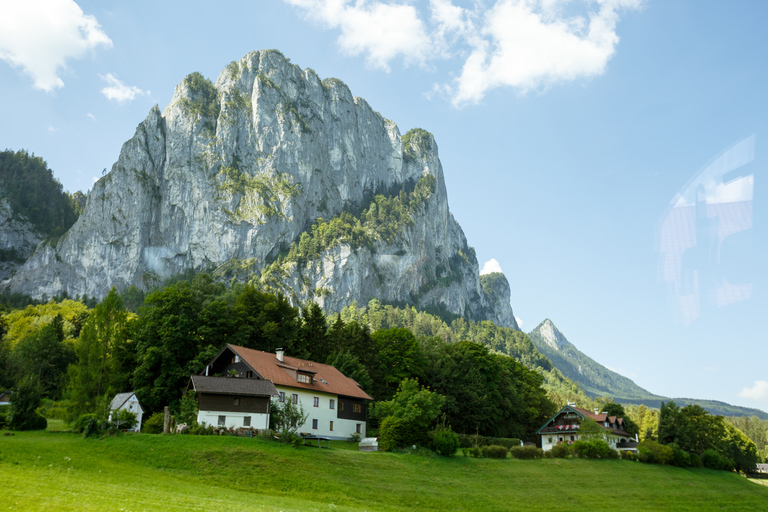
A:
<point x="382" y="31"/>
<point x="522" y="44"/>
<point x="758" y="392"/>
<point x="118" y="90"/>
<point x="93" y="117"/>
<point x="40" y="36"/>
<point x="519" y="321"/>
<point x="490" y="266"/>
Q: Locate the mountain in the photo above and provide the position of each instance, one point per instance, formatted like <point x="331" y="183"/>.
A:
<point x="273" y="176"/>
<point x="33" y="206"/>
<point x="597" y="380"/>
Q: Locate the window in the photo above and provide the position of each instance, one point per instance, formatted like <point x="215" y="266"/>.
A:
<point x="332" y="404"/>
<point x="235" y="359"/>
<point x="222" y="420"/>
<point x="316" y="401"/>
<point x="306" y="379"/>
<point x="331" y="426"/>
<point x="572" y="438"/>
<point x="247" y="421"/>
<point x="294" y="398"/>
<point x="314" y="424"/>
<point x="341" y="406"/>
<point x="249" y="374"/>
<point x="357" y="428"/>
<point x="282" y="396"/>
<point x="357" y="408"/>
<point x="237" y="401"/>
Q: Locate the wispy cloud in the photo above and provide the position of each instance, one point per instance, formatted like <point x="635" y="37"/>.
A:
<point x="758" y="392"/>
<point x="490" y="266"/>
<point x="519" y="321"/>
<point x="40" y="36"/>
<point x="117" y="89"/>
<point x="521" y="44"/>
<point x="91" y="116"/>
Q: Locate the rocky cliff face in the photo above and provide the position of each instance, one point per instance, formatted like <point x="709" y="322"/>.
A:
<point x="18" y="238"/>
<point x="232" y="177"/>
<point x="550" y="335"/>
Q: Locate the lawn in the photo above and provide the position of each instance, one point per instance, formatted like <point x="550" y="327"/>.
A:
<point x="59" y="471"/>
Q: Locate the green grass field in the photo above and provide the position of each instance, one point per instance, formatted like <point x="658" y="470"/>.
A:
<point x="58" y="471"/>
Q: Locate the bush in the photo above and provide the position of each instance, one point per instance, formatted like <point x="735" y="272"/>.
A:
<point x="680" y="457"/>
<point x="394" y="433"/>
<point x="267" y="433"/>
<point x="23" y="414"/>
<point x="526" y="452"/>
<point x="652" y="452"/>
<point x="199" y="430"/>
<point x="122" y="419"/>
<point x="713" y="460"/>
<point x="627" y="455"/>
<point x="82" y="420"/>
<point x="549" y="455"/>
<point x="494" y="451"/>
<point x="291" y="438"/>
<point x="560" y="450"/>
<point x="695" y="460"/>
<point x="593" y="449"/>
<point x="472" y="451"/>
<point x="91" y="427"/>
<point x="354" y="438"/>
<point x="445" y="442"/>
<point x="467" y="440"/>
<point x="154" y="424"/>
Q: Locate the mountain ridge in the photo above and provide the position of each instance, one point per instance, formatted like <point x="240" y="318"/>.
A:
<point x="597" y="380"/>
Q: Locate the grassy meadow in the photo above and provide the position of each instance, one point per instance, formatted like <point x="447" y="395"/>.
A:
<point x="61" y="471"/>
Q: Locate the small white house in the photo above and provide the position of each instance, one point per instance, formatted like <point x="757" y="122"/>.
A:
<point x="129" y="402"/>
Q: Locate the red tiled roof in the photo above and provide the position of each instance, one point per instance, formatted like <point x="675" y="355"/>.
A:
<point x="326" y="378"/>
<point x="600" y="418"/>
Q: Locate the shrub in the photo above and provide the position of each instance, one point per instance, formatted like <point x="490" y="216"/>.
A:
<point x="91" y="427"/>
<point x="154" y="424"/>
<point x="652" y="452"/>
<point x="680" y="457"/>
<point x="473" y="451"/>
<point x="549" y="455"/>
<point x="291" y="438"/>
<point x="82" y="420"/>
<point x="593" y="449"/>
<point x="560" y="450"/>
<point x="506" y="442"/>
<point x="122" y="419"/>
<point x="354" y="438"/>
<point x="494" y="451"/>
<point x="394" y="433"/>
<point x="713" y="460"/>
<point x="445" y="442"/>
<point x="627" y="455"/>
<point x="267" y="433"/>
<point x="526" y="452"/>
<point x="695" y="460"/>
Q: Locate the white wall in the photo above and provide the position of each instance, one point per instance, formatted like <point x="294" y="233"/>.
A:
<point x="132" y="405"/>
<point x="233" y="419"/>
<point x="324" y="415"/>
<point x="546" y="445"/>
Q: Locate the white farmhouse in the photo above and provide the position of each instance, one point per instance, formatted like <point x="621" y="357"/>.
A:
<point x="335" y="404"/>
<point x="128" y="402"/>
<point x="564" y="427"/>
<point x="232" y="402"/>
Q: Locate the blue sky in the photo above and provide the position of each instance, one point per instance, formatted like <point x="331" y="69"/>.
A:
<point x="568" y="132"/>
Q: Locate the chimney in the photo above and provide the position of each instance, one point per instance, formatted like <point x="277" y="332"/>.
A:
<point x="279" y="353"/>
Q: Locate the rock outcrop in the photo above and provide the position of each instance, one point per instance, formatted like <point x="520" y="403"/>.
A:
<point x="18" y="239"/>
<point x="232" y="177"/>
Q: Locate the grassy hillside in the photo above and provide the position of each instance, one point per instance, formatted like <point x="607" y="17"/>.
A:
<point x="151" y="472"/>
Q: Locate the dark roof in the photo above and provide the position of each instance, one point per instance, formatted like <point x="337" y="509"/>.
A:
<point x="233" y="386"/>
<point x="325" y="378"/>
<point x="599" y="419"/>
<point x="627" y="444"/>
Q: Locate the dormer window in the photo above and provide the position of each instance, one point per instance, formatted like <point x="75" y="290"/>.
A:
<point x="235" y="359"/>
<point x="301" y="377"/>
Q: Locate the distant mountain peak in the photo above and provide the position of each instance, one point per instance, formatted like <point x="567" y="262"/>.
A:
<point x="551" y="335"/>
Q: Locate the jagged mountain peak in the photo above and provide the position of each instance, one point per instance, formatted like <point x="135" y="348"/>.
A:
<point x="551" y="335"/>
<point x="273" y="176"/>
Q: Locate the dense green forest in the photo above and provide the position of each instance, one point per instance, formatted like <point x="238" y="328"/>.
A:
<point x="29" y="186"/>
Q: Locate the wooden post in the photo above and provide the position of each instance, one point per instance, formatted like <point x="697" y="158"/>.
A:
<point x="167" y="420"/>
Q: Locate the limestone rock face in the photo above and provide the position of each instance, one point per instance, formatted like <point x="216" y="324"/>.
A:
<point x="18" y="239"/>
<point x="230" y="174"/>
<point x="551" y="335"/>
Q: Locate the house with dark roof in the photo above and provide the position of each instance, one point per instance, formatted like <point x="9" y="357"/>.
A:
<point x="335" y="404"/>
<point x="565" y="426"/>
<point x="231" y="402"/>
<point x="129" y="402"/>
